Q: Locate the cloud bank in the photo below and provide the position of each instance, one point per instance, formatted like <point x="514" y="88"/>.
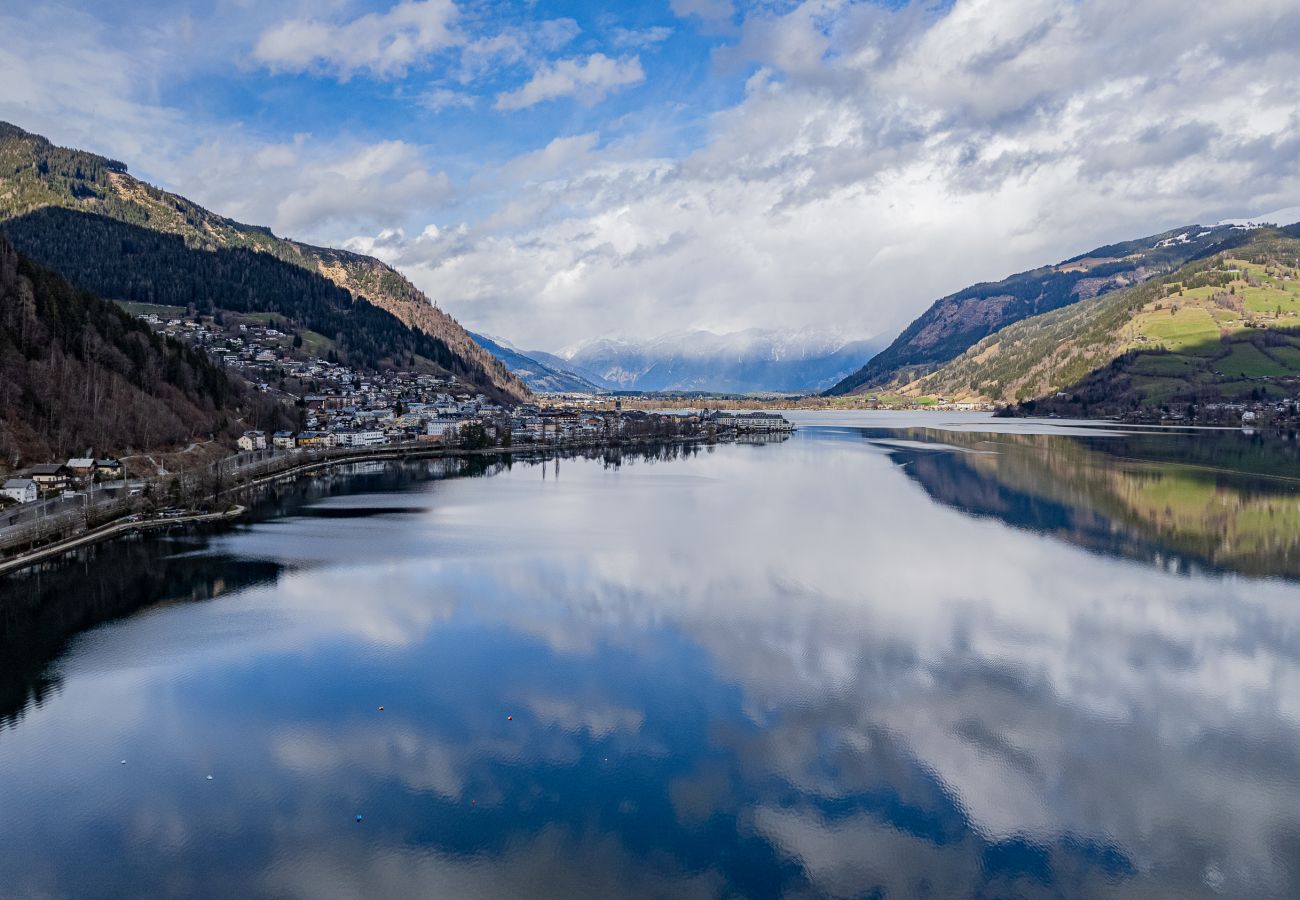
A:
<point x="816" y="163"/>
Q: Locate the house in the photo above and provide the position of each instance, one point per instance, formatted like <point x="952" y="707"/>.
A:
<point x="283" y="440"/>
<point x="81" y="469"/>
<point x="20" y="490"/>
<point x="315" y="439"/>
<point x="252" y="440"/>
<point x="50" y="477"/>
<point x="108" y="469"/>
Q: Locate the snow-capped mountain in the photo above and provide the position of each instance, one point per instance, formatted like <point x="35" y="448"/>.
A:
<point x="738" y="362"/>
<point x="544" y="377"/>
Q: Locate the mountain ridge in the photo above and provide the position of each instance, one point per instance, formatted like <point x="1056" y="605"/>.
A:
<point x="36" y="175"/>
<point x="953" y="323"/>
<point x="1222" y="328"/>
<point x="539" y="376"/>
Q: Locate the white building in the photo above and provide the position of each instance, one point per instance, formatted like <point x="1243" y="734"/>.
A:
<point x="252" y="440"/>
<point x="441" y="426"/>
<point x="360" y="438"/>
<point x="22" y="490"/>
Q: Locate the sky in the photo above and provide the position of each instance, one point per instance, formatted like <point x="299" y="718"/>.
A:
<point x="554" y="172"/>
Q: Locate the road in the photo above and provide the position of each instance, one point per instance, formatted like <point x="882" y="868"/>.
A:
<point x="59" y="506"/>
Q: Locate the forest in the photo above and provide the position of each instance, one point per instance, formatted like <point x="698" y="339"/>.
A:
<point x="78" y="372"/>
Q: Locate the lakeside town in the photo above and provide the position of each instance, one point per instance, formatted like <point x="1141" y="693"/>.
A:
<point x="342" y="414"/>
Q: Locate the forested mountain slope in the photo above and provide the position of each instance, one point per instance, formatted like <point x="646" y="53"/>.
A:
<point x="76" y="371"/>
<point x="87" y="217"/>
<point x="956" y="322"/>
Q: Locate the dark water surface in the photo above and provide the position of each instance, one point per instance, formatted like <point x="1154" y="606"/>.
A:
<point x="882" y="658"/>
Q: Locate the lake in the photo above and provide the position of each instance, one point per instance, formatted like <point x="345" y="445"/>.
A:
<point x="902" y="655"/>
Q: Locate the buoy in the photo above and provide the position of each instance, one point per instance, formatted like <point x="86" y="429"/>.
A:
<point x="358" y="818"/>
<point x="510" y="718"/>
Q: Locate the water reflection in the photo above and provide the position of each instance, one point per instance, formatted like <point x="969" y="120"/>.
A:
<point x="1215" y="499"/>
<point x="758" y="671"/>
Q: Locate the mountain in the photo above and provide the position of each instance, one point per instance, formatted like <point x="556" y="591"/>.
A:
<point x="954" y="323"/>
<point x="740" y="362"/>
<point x="1222" y="328"/>
<point x="86" y="217"/>
<point x="538" y="376"/>
<point x="77" y="371"/>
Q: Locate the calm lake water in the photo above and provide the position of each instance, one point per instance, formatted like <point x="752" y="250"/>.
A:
<point x="925" y="656"/>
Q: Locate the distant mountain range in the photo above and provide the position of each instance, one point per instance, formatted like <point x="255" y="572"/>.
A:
<point x="954" y="323"/>
<point x="547" y="378"/>
<point x="84" y="216"/>
<point x="742" y="362"/>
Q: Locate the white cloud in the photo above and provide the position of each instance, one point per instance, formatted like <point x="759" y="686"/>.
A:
<point x="590" y="80"/>
<point x="709" y="10"/>
<point x="382" y="44"/>
<point x="309" y="188"/>
<point x="883" y="158"/>
<point x="642" y="37"/>
<point x="438" y="99"/>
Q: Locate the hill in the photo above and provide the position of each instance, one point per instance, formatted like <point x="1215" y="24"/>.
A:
<point x="537" y="375"/>
<point x="1223" y="328"/>
<point x="76" y="372"/>
<point x="956" y="322"/>
<point x="86" y="217"/>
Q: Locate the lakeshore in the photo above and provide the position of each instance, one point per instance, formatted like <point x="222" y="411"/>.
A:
<point x="209" y="495"/>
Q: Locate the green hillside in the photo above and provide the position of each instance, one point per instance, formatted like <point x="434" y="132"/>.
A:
<point x="85" y="216"/>
<point x="955" y="323"/>
<point x="1223" y="328"/>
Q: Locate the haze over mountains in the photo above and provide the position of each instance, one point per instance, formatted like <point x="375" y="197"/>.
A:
<point x="750" y="361"/>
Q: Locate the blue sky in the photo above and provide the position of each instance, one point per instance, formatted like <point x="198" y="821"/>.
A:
<point x="554" y="172"/>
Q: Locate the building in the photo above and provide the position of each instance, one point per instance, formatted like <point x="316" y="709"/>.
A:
<point x="283" y="440"/>
<point x="108" y="469"/>
<point x="50" y="477"/>
<point x="441" y="426"/>
<point x="252" y="440"/>
<point x="21" y="490"/>
<point x="372" y="437"/>
<point x="81" y="469"/>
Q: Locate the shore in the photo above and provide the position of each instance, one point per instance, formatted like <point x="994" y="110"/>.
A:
<point x="281" y="466"/>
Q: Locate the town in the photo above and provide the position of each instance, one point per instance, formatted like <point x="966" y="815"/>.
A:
<point x="341" y="414"/>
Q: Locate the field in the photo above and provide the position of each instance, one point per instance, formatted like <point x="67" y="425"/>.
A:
<point x="1190" y="326"/>
<point x="1247" y="361"/>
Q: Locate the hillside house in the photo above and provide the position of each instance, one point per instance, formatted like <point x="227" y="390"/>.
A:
<point x="50" y="478"/>
<point x="81" y="469"/>
<point x="21" y="490"/>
